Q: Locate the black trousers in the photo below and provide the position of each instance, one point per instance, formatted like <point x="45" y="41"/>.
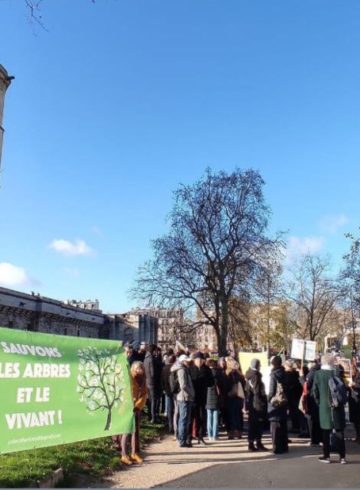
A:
<point x="279" y="436"/>
<point x="256" y="427"/>
<point x="339" y="442"/>
<point x="199" y="422"/>
<point x="314" y="427"/>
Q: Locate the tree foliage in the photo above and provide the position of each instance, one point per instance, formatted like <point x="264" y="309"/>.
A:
<point x="213" y="250"/>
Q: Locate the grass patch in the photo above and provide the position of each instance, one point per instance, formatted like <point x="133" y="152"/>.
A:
<point x="95" y="458"/>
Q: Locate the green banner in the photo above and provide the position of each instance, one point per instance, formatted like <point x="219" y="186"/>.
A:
<point x="57" y="389"/>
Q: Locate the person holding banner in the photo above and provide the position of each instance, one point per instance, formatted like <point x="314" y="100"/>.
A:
<point x="139" y="393"/>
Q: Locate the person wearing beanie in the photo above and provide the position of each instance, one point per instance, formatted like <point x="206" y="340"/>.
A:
<point x="256" y="406"/>
<point x="278" y="407"/>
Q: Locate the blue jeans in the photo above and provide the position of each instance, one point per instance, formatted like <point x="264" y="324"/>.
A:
<point x="212" y="423"/>
<point x="169" y="408"/>
<point x="184" y="422"/>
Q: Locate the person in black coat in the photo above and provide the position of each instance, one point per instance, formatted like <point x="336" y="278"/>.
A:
<point x="213" y="402"/>
<point x="153" y="383"/>
<point x="293" y="393"/>
<point x="312" y="408"/>
<point x="169" y="395"/>
<point x="354" y="404"/>
<point x="256" y="406"/>
<point x="202" y="379"/>
<point x="278" y="413"/>
<point x="235" y="394"/>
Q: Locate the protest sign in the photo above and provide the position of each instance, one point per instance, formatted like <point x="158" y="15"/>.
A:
<point x="303" y="349"/>
<point x="245" y="359"/>
<point x="57" y="390"/>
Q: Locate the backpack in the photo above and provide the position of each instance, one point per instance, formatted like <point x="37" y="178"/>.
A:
<point x="338" y="392"/>
<point x="174" y="383"/>
<point x="279" y="399"/>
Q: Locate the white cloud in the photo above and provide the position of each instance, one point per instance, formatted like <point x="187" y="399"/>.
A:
<point x="76" y="248"/>
<point x="301" y="246"/>
<point x="332" y="223"/>
<point x="12" y="275"/>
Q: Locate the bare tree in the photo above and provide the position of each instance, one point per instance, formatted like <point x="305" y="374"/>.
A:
<point x="315" y="296"/>
<point x="212" y="251"/>
<point x="350" y="280"/>
<point x="269" y="291"/>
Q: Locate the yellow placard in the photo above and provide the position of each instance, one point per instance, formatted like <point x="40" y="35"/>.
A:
<point x="245" y="359"/>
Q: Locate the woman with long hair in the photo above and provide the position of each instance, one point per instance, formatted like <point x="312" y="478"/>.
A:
<point x="235" y="395"/>
<point x="139" y="394"/>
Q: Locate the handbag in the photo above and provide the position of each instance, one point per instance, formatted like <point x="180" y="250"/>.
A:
<point x="240" y="391"/>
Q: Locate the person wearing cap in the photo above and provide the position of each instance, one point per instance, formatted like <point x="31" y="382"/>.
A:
<point x="278" y="412"/>
<point x="256" y="406"/>
<point x="202" y="379"/>
<point x="184" y="400"/>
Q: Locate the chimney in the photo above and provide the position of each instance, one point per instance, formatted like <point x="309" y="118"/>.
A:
<point x="5" y="81"/>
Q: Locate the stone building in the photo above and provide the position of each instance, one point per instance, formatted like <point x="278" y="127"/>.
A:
<point x="5" y="81"/>
<point x="40" y="314"/>
<point x="145" y="325"/>
<point x="79" y="319"/>
<point x="171" y="323"/>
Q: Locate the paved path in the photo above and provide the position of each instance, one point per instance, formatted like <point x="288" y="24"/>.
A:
<point x="229" y="464"/>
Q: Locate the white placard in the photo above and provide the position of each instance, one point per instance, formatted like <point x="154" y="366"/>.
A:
<point x="303" y="349"/>
<point x="310" y="350"/>
<point x="297" y="348"/>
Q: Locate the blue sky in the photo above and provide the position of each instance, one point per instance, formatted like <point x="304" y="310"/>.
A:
<point x="119" y="101"/>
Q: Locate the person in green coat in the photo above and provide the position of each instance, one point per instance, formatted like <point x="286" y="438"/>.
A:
<point x="330" y="418"/>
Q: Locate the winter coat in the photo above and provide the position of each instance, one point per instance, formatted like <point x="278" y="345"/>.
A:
<point x="232" y="378"/>
<point x="139" y="392"/>
<point x="149" y="371"/>
<point x="186" y="393"/>
<point x="165" y="375"/>
<point x="202" y="379"/>
<point x="312" y="406"/>
<point x="256" y="400"/>
<point x="354" y="401"/>
<point x="277" y="375"/>
<point x="330" y="418"/>
<point x="158" y="367"/>
<point x="213" y="392"/>
<point x="293" y="387"/>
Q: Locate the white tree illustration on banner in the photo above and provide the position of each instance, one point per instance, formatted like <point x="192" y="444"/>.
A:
<point x="100" y="381"/>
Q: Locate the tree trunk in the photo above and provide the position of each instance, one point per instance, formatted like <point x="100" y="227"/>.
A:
<point x="223" y="329"/>
<point x="108" y="420"/>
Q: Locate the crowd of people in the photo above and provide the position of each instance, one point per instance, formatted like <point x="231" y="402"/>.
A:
<point x="200" y="396"/>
